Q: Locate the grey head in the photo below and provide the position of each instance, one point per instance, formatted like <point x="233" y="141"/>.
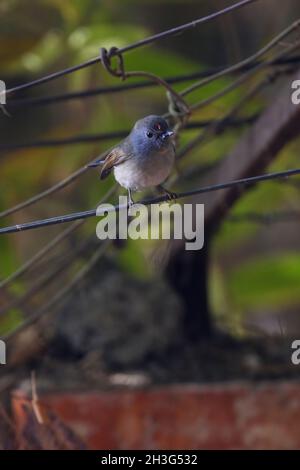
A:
<point x="150" y="134"/>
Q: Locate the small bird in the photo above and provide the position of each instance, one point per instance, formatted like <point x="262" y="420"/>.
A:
<point x="143" y="159"/>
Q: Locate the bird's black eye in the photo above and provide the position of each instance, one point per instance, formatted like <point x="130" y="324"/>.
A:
<point x="149" y="134"/>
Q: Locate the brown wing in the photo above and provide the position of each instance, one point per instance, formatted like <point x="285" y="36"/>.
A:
<point x="114" y="158"/>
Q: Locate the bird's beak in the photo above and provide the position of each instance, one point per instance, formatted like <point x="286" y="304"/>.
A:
<point x="167" y="134"/>
<point x="95" y="164"/>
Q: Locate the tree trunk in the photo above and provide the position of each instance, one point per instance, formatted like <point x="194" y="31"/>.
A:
<point x="187" y="272"/>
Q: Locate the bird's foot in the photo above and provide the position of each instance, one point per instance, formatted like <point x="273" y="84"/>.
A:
<point x="130" y="200"/>
<point x="170" y="194"/>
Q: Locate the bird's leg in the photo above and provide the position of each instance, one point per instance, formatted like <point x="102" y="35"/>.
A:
<point x="130" y="200"/>
<point x="170" y="194"/>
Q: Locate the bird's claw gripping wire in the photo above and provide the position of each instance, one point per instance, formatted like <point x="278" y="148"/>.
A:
<point x="171" y="196"/>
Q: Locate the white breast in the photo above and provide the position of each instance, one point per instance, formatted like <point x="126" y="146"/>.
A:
<point x="138" y="173"/>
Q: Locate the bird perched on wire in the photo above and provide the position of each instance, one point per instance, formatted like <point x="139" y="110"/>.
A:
<point x="144" y="158"/>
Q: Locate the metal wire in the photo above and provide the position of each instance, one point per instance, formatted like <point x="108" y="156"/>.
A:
<point x="92" y="212"/>
<point x="143" y="42"/>
<point x="86" y="139"/>
<point x="125" y="87"/>
<point x="265" y="219"/>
